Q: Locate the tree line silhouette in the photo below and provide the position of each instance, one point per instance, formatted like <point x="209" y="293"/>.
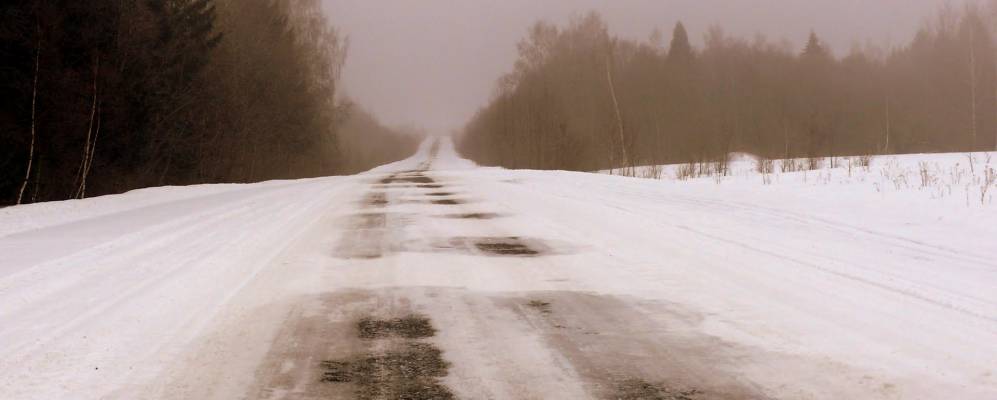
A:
<point x="579" y="98"/>
<point x="102" y="96"/>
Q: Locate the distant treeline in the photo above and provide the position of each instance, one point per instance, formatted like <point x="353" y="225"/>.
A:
<point x="581" y="99"/>
<point x="367" y="143"/>
<point x="102" y="96"/>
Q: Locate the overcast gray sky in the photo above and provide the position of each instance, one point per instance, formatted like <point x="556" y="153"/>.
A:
<point x="433" y="63"/>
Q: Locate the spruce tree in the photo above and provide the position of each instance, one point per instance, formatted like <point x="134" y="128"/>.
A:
<point x="814" y="48"/>
<point x="680" y="51"/>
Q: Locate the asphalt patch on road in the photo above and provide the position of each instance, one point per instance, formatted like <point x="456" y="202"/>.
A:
<point x="411" y="372"/>
<point x="409" y="327"/>
<point x="421" y="179"/>
<point x="430" y="186"/>
<point x="406" y="177"/>
<point x="629" y="348"/>
<point x="375" y="200"/>
<point x="542" y="306"/>
<point x="504" y="246"/>
<point x="478" y="215"/>
<point x="373" y="220"/>
<point x="440" y="194"/>
<point x="409" y="369"/>
<point x="639" y="389"/>
<point x="496" y="246"/>
<point x="447" y="202"/>
<point x="380" y="186"/>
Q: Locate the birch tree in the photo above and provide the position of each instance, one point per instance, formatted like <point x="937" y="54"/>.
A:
<point x="34" y="108"/>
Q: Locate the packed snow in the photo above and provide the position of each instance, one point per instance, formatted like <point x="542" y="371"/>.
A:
<point x="873" y="282"/>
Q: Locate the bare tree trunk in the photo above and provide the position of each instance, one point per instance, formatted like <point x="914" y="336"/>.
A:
<point x="34" y="98"/>
<point x="659" y="143"/>
<point x="886" y="147"/>
<point x="616" y="107"/>
<point x="831" y="152"/>
<point x="89" y="161"/>
<point x="86" y="145"/>
<point x="972" y="85"/>
<point x="38" y="180"/>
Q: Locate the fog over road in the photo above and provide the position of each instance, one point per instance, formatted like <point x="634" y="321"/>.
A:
<point x="435" y="278"/>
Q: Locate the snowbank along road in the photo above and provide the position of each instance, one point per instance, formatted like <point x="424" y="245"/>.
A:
<point x="432" y="278"/>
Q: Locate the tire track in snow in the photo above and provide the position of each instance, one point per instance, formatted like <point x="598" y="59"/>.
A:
<point x="937" y="299"/>
<point x="255" y="215"/>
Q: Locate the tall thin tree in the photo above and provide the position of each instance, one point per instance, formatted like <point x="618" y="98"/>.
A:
<point x="972" y="86"/>
<point x="87" y="146"/>
<point x="616" y="103"/>
<point x="34" y="103"/>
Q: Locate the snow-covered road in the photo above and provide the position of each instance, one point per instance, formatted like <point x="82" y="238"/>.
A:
<point x="538" y="285"/>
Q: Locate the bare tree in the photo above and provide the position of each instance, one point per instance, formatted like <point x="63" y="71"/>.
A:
<point x="87" y="147"/>
<point x="993" y="25"/>
<point x="34" y="98"/>
<point x="616" y="104"/>
<point x="972" y="85"/>
<point x="89" y="160"/>
<point x="886" y="146"/>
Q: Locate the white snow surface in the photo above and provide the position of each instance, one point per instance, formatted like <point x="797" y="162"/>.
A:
<point x="838" y="284"/>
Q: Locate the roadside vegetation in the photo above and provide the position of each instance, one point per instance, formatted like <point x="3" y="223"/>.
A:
<point x="579" y="98"/>
<point x="104" y="96"/>
<point x="956" y="178"/>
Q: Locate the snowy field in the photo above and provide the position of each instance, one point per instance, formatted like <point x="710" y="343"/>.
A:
<point x="875" y="282"/>
<point x="968" y="179"/>
<point x="932" y="198"/>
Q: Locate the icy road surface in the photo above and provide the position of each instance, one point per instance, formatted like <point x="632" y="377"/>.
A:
<point x="433" y="278"/>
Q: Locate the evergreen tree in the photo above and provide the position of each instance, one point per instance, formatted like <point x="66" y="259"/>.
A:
<point x="680" y="51"/>
<point x="187" y="34"/>
<point x="815" y="48"/>
<point x="135" y="93"/>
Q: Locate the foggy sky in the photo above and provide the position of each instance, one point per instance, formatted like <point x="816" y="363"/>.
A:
<point x="433" y="63"/>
